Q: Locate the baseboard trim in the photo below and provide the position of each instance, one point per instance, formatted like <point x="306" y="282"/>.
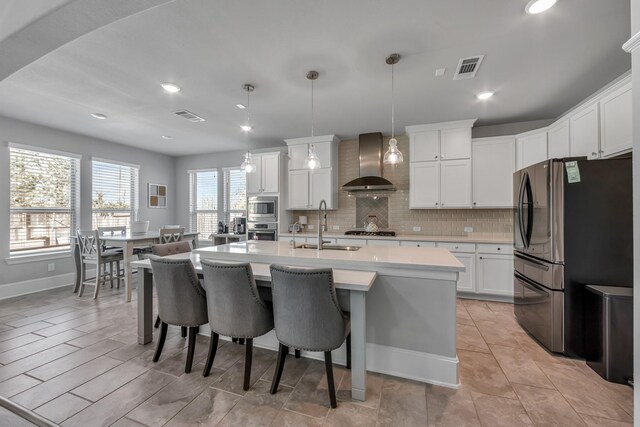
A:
<point x="481" y="297"/>
<point x="414" y="365"/>
<point x="36" y="285"/>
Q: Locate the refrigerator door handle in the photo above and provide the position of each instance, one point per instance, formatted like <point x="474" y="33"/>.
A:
<point x="529" y="192"/>
<point x="520" y="211"/>
<point x="533" y="263"/>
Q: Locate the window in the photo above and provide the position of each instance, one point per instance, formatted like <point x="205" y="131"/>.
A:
<point x="203" y="201"/>
<point x="235" y="194"/>
<point x="43" y="200"/>
<point x="114" y="195"/>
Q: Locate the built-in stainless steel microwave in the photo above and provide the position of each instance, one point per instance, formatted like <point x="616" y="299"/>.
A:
<point x="262" y="209"/>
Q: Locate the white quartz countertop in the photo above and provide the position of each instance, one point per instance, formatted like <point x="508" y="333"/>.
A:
<point x="366" y="258"/>
<point x="413" y="237"/>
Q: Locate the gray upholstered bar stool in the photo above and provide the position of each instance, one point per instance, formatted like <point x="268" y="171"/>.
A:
<point x="235" y="309"/>
<point x="166" y="250"/>
<point x="181" y="300"/>
<point x="308" y="316"/>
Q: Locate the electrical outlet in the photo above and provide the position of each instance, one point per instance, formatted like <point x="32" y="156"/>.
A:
<point x="468" y="229"/>
<point x="310" y="227"/>
<point x="51" y="266"/>
<point x="336" y="227"/>
<point x="417" y="228"/>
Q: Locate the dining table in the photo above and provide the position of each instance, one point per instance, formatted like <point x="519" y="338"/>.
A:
<point x="128" y="242"/>
<point x="351" y="287"/>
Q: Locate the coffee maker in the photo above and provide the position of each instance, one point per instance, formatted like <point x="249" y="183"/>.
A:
<point x="240" y="225"/>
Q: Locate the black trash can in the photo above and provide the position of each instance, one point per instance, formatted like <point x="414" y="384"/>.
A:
<point x="609" y="332"/>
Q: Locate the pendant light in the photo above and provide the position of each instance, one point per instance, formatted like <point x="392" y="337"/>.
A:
<point x="393" y="156"/>
<point x="248" y="165"/>
<point x="312" y="161"/>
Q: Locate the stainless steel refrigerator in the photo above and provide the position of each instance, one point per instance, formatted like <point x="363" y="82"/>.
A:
<point x="572" y="228"/>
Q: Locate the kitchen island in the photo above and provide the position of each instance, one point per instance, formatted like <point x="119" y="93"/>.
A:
<point x="406" y="320"/>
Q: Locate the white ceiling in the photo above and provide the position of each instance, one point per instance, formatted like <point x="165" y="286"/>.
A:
<point x="539" y="66"/>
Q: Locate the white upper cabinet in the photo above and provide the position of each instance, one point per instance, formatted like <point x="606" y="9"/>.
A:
<point x="307" y="187"/>
<point x="424" y="146"/>
<point x="266" y="178"/>
<point x="531" y="148"/>
<point x="493" y="161"/>
<point x="559" y="140"/>
<point x="455" y="184"/>
<point x="455" y="143"/>
<point x="585" y="132"/>
<point x="424" y="183"/>
<point x="615" y="121"/>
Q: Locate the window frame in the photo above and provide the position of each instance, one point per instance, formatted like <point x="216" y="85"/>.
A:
<point x="193" y="203"/>
<point x="226" y="199"/>
<point x="134" y="201"/>
<point x="30" y="255"/>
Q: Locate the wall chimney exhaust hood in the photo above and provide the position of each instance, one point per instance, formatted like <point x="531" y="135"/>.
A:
<point x="370" y="180"/>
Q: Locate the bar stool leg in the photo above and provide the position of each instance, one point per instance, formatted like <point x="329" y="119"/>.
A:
<point x="213" y="347"/>
<point x="184" y="332"/>
<point x="191" y="349"/>
<point x="283" y="350"/>
<point x="297" y="353"/>
<point x="157" y="322"/>
<point x="163" y="336"/>
<point x="248" y="356"/>
<point x="332" y="389"/>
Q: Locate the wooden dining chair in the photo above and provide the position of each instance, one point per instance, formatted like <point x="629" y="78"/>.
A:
<point x="113" y="231"/>
<point x="171" y="235"/>
<point x="91" y="253"/>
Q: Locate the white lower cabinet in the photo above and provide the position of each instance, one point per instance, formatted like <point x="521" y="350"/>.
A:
<point x="417" y="244"/>
<point x="375" y="242"/>
<point x="351" y="242"/>
<point x="466" y="282"/>
<point x="495" y="274"/>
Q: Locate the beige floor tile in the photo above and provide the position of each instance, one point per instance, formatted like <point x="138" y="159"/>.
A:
<point x="547" y="407"/>
<point x="498" y="411"/>
<point x="500" y="307"/>
<point x="469" y="338"/>
<point x="293" y="419"/>
<point x="403" y="402"/>
<point x="62" y="407"/>
<point x="583" y="394"/>
<point x="621" y="393"/>
<point x="479" y="310"/>
<point x="462" y="315"/>
<point x="208" y="409"/>
<point x="166" y="403"/>
<point x="258" y="407"/>
<point x="175" y="364"/>
<point x="294" y="370"/>
<point x="350" y="414"/>
<point x="38" y="346"/>
<point x="106" y="383"/>
<point x="311" y="395"/>
<point x="17" y="385"/>
<point x="496" y="332"/>
<point x="18" y="341"/>
<point x="23" y="365"/>
<point x="126" y="422"/>
<point x="518" y="366"/>
<point x="374" y="390"/>
<point x="16" y="332"/>
<point x="604" y="422"/>
<point x="113" y="407"/>
<point x="59" y="385"/>
<point x="480" y="372"/>
<point x="450" y="407"/>
<point x="38" y="317"/>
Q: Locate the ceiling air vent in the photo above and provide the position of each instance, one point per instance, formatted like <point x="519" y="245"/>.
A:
<point x="467" y="67"/>
<point x="190" y="116"/>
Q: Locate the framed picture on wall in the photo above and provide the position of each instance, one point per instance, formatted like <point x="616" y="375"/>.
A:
<point x="157" y="196"/>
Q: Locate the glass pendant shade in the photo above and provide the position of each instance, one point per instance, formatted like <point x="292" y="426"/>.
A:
<point x="393" y="156"/>
<point x="248" y="165"/>
<point x="312" y="161"/>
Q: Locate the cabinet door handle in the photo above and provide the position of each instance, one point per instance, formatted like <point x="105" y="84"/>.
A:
<point x="474" y="203"/>
<point x="480" y="257"/>
<point x="442" y="157"/>
<point x="436" y="203"/>
<point x="594" y="154"/>
<point x="601" y="151"/>
<point x="435" y="157"/>
<point x="499" y="248"/>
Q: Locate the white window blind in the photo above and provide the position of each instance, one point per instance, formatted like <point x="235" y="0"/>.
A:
<point x="235" y="194"/>
<point x="43" y="200"/>
<point x="203" y="202"/>
<point x="114" y="198"/>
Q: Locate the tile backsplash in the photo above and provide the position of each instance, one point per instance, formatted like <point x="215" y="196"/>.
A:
<point x="401" y="219"/>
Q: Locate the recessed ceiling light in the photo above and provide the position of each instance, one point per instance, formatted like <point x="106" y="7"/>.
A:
<point x="98" y="116"/>
<point x="538" y="6"/>
<point x="167" y="137"/>
<point x="484" y="95"/>
<point x="241" y="106"/>
<point x="245" y="128"/>
<point x="170" y="87"/>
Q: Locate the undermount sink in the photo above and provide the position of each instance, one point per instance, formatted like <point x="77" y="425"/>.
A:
<point x="328" y="247"/>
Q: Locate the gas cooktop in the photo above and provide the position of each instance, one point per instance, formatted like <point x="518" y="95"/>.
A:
<point x="369" y="233"/>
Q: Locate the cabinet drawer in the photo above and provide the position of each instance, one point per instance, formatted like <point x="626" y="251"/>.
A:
<point x="458" y="247"/>
<point x="417" y="244"/>
<point x="495" y="249"/>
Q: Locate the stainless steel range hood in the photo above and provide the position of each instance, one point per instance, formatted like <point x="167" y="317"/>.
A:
<point x="370" y="146"/>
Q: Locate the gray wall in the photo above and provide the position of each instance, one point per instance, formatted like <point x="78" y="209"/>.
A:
<point x="154" y="167"/>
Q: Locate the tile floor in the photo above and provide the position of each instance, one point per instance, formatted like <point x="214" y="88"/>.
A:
<point x="76" y="362"/>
